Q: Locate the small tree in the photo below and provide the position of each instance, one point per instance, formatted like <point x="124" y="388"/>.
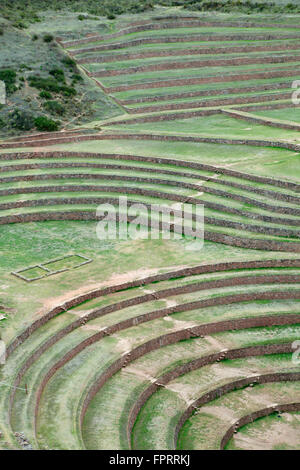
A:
<point x="42" y="123"/>
<point x="21" y="120"/>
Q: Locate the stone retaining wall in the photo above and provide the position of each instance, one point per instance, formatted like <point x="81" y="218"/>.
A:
<point x="260" y="120"/>
<point x="266" y="107"/>
<point x="45" y="135"/>
<point x="164" y="182"/>
<point x="246" y="280"/>
<point x="164" y="66"/>
<point x="182" y="23"/>
<point x="164" y="340"/>
<point x="183" y="38"/>
<point x="221" y="78"/>
<point x="186" y="272"/>
<point x="260" y="350"/>
<point x="109" y="166"/>
<point x="165" y="117"/>
<point x="164" y="196"/>
<point x="217" y="237"/>
<point x="185" y="52"/>
<point x="172" y="138"/>
<point x="284" y="408"/>
<point x="219" y="221"/>
<point x="238" y="384"/>
<point x="213" y="92"/>
<point x="139" y="158"/>
<point x="208" y="103"/>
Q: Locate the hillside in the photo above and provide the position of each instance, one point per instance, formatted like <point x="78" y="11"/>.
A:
<point x="159" y="340"/>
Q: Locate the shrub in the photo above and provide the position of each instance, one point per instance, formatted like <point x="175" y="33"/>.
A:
<point x="35" y="37"/>
<point x="21" y="120"/>
<point x="42" y="123"/>
<point x="8" y="76"/>
<point x="45" y="94"/>
<point x="81" y="17"/>
<point x="54" y="107"/>
<point x="1" y="32"/>
<point x="76" y="77"/>
<point x="68" y="91"/>
<point x="58" y="74"/>
<point x="2" y="123"/>
<point x="20" y="24"/>
<point x="70" y="63"/>
<point x="48" y="38"/>
<point x="48" y="84"/>
<point x="24" y="67"/>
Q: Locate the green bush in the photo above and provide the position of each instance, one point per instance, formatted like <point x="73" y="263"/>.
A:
<point x="45" y="94"/>
<point x="81" y="17"/>
<point x="35" y="37"/>
<point x="68" y="62"/>
<point x="8" y="76"/>
<point x="21" y="120"/>
<point x="68" y="91"/>
<point x="2" y="123"/>
<point x="42" y="123"/>
<point x="76" y="77"/>
<point x="24" y="67"/>
<point x="47" y="84"/>
<point x="50" y="84"/>
<point x="20" y="24"/>
<point x="1" y="32"/>
<point x="54" y="107"/>
<point x="48" y="38"/>
<point x="58" y="74"/>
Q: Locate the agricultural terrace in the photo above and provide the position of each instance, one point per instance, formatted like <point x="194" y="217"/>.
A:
<point x="153" y="344"/>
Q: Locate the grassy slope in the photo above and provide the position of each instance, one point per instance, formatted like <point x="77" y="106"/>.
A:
<point x="25" y="245"/>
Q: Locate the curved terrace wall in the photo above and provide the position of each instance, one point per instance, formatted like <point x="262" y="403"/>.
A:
<point x="157" y="137"/>
<point x="213" y="92"/>
<point x="238" y="384"/>
<point x="183" y="38"/>
<point x="164" y="196"/>
<point x="185" y="52"/>
<point x="139" y="158"/>
<point x="129" y="190"/>
<point x="246" y="280"/>
<point x="274" y="320"/>
<point x="141" y="179"/>
<point x="157" y="343"/>
<point x="216" y="102"/>
<point x="288" y="408"/>
<point x="221" y="78"/>
<point x="180" y="23"/>
<point x="202" y="269"/>
<point x="245" y="352"/>
<point x="244" y="242"/>
<point x="260" y="120"/>
<point x="243" y="226"/>
<point x="195" y="64"/>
